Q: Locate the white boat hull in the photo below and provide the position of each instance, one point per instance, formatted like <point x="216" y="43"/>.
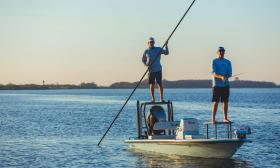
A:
<point x="206" y="148"/>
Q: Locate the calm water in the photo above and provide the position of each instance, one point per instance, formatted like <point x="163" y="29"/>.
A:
<point x="60" y="128"/>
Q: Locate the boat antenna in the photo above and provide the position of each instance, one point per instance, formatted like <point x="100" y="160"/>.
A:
<point x="146" y="72"/>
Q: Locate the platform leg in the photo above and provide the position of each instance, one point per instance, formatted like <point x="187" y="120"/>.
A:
<point x="207" y="131"/>
<point x="216" y="131"/>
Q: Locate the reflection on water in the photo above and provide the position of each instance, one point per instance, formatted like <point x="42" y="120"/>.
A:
<point x="150" y="159"/>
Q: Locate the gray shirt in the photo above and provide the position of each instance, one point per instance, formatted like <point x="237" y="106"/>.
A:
<point x="152" y="54"/>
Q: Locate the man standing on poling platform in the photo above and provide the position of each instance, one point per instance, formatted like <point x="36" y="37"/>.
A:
<point x="221" y="69"/>
<point x="151" y="59"/>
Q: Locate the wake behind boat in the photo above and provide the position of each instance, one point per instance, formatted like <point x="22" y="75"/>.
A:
<point x="158" y="132"/>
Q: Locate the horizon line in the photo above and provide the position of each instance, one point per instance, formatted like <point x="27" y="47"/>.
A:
<point x="58" y="83"/>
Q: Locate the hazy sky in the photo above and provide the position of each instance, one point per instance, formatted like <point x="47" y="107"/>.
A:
<point x="74" y="41"/>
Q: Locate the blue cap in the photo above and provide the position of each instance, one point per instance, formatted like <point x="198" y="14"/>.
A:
<point x="221" y="48"/>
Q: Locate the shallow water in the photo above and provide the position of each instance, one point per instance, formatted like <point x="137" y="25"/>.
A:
<point x="61" y="128"/>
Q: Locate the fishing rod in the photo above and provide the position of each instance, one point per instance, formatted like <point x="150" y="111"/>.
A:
<point x="165" y="43"/>
<point x="238" y="74"/>
<point x="235" y="76"/>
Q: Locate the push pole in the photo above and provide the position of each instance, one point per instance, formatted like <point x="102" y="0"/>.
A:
<point x="145" y="73"/>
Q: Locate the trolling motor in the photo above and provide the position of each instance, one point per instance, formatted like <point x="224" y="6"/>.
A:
<point x="242" y="131"/>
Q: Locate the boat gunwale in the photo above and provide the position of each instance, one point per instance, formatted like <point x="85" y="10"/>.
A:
<point x="186" y="141"/>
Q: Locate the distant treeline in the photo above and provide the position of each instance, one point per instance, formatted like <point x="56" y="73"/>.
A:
<point x="198" y="84"/>
<point x="48" y="86"/>
<point x="144" y="84"/>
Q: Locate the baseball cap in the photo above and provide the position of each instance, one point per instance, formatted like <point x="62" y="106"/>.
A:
<point x="151" y="39"/>
<point x="221" y="48"/>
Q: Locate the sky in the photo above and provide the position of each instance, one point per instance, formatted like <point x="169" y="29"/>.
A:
<point x="74" y="41"/>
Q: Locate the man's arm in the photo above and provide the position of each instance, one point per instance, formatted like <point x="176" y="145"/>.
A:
<point x="166" y="50"/>
<point x="214" y="70"/>
<point x="229" y="70"/>
<point x="144" y="58"/>
<point x="220" y="77"/>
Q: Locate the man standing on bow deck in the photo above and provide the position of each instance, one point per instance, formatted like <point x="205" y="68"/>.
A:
<point x="222" y="71"/>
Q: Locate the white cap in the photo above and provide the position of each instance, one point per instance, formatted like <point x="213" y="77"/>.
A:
<point x="151" y="39"/>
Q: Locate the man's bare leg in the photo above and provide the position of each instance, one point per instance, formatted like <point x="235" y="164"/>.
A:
<point x="160" y="89"/>
<point x="214" y="111"/>
<point x="152" y="92"/>
<point x="225" y="110"/>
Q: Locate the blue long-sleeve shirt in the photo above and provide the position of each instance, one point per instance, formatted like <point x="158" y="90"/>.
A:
<point x="221" y="67"/>
<point x="150" y="55"/>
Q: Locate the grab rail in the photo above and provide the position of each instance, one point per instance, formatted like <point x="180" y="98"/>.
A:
<point x="229" y="128"/>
